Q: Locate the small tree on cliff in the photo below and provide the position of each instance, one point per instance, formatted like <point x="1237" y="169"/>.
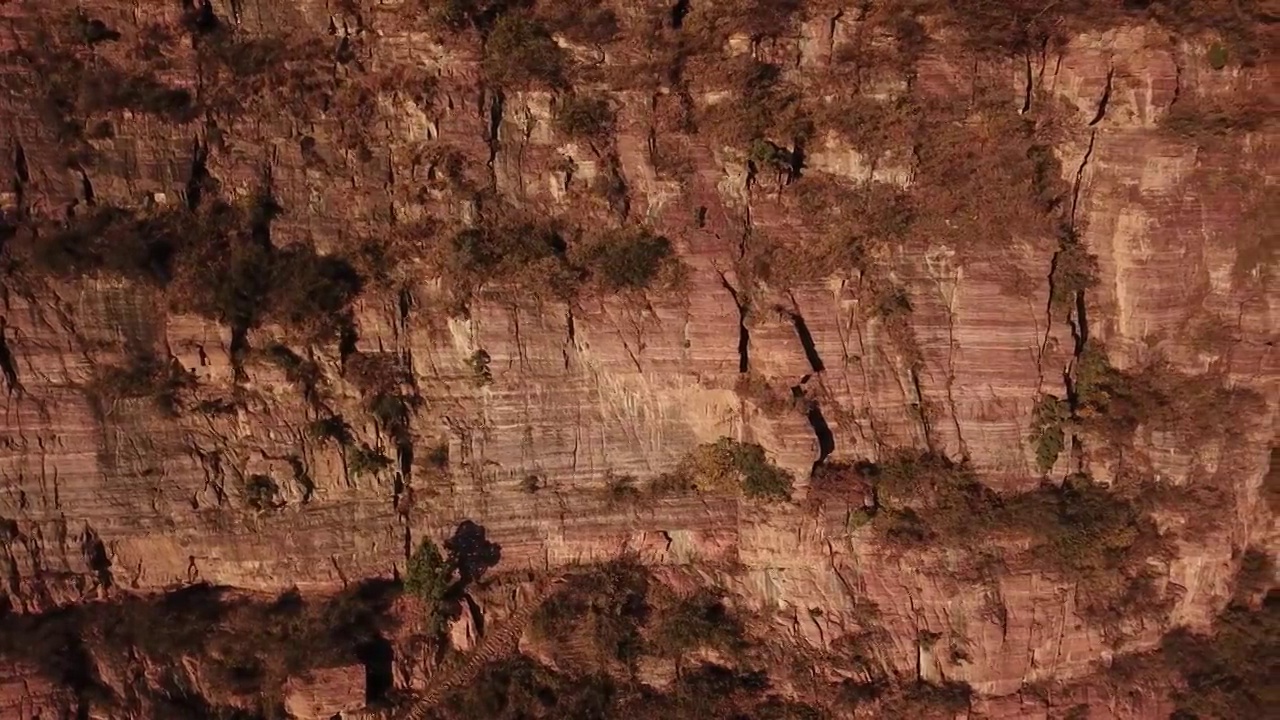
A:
<point x="428" y="576"/>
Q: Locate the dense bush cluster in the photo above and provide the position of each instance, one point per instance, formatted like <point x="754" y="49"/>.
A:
<point x="216" y="261"/>
<point x="519" y="255"/>
<point x="363" y="460"/>
<point x="588" y="22"/>
<point x="765" y="108"/>
<point x="584" y="117"/>
<point x="246" y="649"/>
<point x="602" y="610"/>
<point x="428" y="576"/>
<point x="727" y="466"/>
<point x="519" y="53"/>
<point x="1048" y="434"/>
<point x="144" y="375"/>
<point x="1113" y="403"/>
<point x="1075" y="270"/>
<point x="1099" y="538"/>
<point x="261" y="493"/>
<point x="629" y="259"/>
<point x="701" y="620"/>
<point x="439" y="581"/>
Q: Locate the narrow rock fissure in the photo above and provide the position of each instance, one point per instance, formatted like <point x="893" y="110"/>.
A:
<point x="744" y="336"/>
<point x="1082" y="323"/>
<point x="806" y="340"/>
<point x="1078" y="320"/>
<point x="404" y="460"/>
<point x="404" y="303"/>
<point x="1075" y="189"/>
<point x="570" y="336"/>
<point x="239" y="346"/>
<point x="1026" y="93"/>
<point x="86" y="187"/>
<point x="8" y="365"/>
<point x="22" y="177"/>
<point x="497" y="104"/>
<point x="20" y="166"/>
<point x="826" y="438"/>
<point x="678" y="13"/>
<point x="619" y="192"/>
<point x="831" y="34"/>
<point x="821" y="430"/>
<point x="920" y="406"/>
<point x="1106" y="98"/>
<point x="1177" y="80"/>
<point x="348" y="342"/>
<point x="199" y="175"/>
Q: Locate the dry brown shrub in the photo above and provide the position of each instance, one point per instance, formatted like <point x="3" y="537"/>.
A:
<point x="763" y="106"/>
<point x="773" y="401"/>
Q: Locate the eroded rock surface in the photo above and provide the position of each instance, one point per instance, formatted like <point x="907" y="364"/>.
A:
<point x="99" y="499"/>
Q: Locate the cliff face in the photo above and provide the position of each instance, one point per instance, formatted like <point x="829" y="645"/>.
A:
<point x="101" y="498"/>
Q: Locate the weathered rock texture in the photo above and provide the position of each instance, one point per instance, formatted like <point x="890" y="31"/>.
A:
<point x="98" y="500"/>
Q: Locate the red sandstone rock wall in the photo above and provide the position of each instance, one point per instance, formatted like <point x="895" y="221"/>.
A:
<point x="99" y="501"/>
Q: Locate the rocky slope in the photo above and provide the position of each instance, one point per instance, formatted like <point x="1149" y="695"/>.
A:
<point x="1146" y="145"/>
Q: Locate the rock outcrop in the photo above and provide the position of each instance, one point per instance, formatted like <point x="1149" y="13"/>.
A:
<point x="98" y="499"/>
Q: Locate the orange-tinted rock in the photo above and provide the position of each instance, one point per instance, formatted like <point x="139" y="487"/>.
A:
<point x="95" y="498"/>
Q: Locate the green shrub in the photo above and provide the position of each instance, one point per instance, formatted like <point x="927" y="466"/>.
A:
<point x="395" y="412"/>
<point x="428" y="576"/>
<point x="115" y="241"/>
<point x="628" y="259"/>
<point x="585" y="117"/>
<point x="260" y="492"/>
<point x="364" y="460"/>
<point x="605" y="607"/>
<point x="509" y="253"/>
<point x="1112" y="403"/>
<point x="587" y="22"/>
<point x="761" y="479"/>
<point x="458" y="14"/>
<point x="331" y="428"/>
<point x="214" y="262"/>
<point x="310" y="290"/>
<point x="145" y="375"/>
<point x="481" y="375"/>
<point x="764" y="108"/>
<point x="438" y="456"/>
<point x="1205" y="120"/>
<point x="234" y="275"/>
<point x="922" y="498"/>
<point x="247" y="645"/>
<point x="697" y="622"/>
<point x="107" y="89"/>
<point x="726" y="466"/>
<point x="764" y="155"/>
<point x="620" y="489"/>
<point x="1074" y="271"/>
<point x="1100" y="539"/>
<point x="520" y="53"/>
<point x="1047" y="434"/>
<point x="298" y="370"/>
<point x="1217" y="56"/>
